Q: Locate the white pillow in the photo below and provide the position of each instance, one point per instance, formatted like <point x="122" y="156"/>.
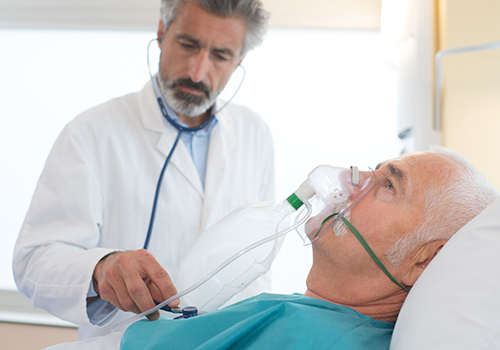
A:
<point x="455" y="303"/>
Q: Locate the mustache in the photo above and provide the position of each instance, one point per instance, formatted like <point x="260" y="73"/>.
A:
<point x="186" y="82"/>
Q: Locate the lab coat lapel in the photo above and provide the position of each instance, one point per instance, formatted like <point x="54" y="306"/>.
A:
<point x="181" y="158"/>
<point x="222" y="142"/>
<point x="153" y="120"/>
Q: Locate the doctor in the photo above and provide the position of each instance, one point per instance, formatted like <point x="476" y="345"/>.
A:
<point x="103" y="194"/>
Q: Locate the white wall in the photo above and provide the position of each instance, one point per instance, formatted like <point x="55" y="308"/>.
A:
<point x="407" y="28"/>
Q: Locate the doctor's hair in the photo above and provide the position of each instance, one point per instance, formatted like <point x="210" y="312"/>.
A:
<point x="252" y="11"/>
<point x="461" y="195"/>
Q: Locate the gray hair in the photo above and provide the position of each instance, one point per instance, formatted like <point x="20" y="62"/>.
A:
<point x="252" y="11"/>
<point x="461" y="196"/>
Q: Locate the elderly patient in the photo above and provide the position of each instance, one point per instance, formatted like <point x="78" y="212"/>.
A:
<point x="419" y="201"/>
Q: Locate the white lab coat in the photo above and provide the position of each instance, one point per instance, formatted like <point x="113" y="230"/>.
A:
<point x="96" y="192"/>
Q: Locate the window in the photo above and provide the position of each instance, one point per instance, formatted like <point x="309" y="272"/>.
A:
<point x="326" y="94"/>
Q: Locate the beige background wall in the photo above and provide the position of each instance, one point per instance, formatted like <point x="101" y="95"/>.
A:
<point x="34" y="337"/>
<point x="471" y="94"/>
<point x="21" y="324"/>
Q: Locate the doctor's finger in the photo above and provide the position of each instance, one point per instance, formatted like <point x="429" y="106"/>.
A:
<point x="137" y="297"/>
<point x="121" y="280"/>
<point x="158" y="297"/>
<point x="160" y="284"/>
<point x="157" y="280"/>
<point x="154" y="316"/>
<point x="110" y="291"/>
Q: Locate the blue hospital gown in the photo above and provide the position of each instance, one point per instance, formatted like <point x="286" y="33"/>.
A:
<point x="267" y="321"/>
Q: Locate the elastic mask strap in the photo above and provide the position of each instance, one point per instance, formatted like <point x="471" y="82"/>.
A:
<point x="323" y="223"/>
<point x="365" y="245"/>
<point x="372" y="254"/>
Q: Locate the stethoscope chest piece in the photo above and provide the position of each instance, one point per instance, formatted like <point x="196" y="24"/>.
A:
<point x="188" y="311"/>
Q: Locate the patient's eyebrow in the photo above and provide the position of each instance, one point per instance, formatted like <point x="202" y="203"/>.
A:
<point x="399" y="175"/>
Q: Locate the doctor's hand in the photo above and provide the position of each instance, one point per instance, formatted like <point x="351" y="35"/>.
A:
<point x="132" y="281"/>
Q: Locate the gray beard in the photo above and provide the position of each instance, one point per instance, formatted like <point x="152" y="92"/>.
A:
<point x="184" y="103"/>
<point x="340" y="229"/>
<point x="336" y="224"/>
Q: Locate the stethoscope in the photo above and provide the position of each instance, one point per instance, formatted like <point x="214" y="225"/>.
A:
<point x="180" y="129"/>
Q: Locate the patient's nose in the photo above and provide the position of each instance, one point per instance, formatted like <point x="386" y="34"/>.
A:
<point x="359" y="182"/>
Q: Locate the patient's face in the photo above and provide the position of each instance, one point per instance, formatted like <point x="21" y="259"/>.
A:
<point x="394" y="207"/>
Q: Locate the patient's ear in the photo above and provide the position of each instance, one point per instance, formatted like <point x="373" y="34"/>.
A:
<point x="420" y="260"/>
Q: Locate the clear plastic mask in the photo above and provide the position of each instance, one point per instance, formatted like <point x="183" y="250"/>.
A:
<point x="337" y="191"/>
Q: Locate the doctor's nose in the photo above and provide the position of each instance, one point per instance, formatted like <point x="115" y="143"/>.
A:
<point x="199" y="67"/>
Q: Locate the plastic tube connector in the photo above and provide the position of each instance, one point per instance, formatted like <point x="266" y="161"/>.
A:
<point x="306" y="190"/>
<point x="295" y="201"/>
<point x="303" y="194"/>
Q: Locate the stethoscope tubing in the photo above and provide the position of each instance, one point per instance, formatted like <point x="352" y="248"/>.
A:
<point x="157" y="192"/>
<point x="180" y="129"/>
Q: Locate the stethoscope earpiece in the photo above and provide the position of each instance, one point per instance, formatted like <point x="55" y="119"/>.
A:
<point x="147" y="55"/>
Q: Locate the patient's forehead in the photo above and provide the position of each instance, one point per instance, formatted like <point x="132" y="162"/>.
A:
<point x="419" y="171"/>
<point x="421" y="162"/>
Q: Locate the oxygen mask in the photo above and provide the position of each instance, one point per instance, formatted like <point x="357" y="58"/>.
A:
<point x="334" y="192"/>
